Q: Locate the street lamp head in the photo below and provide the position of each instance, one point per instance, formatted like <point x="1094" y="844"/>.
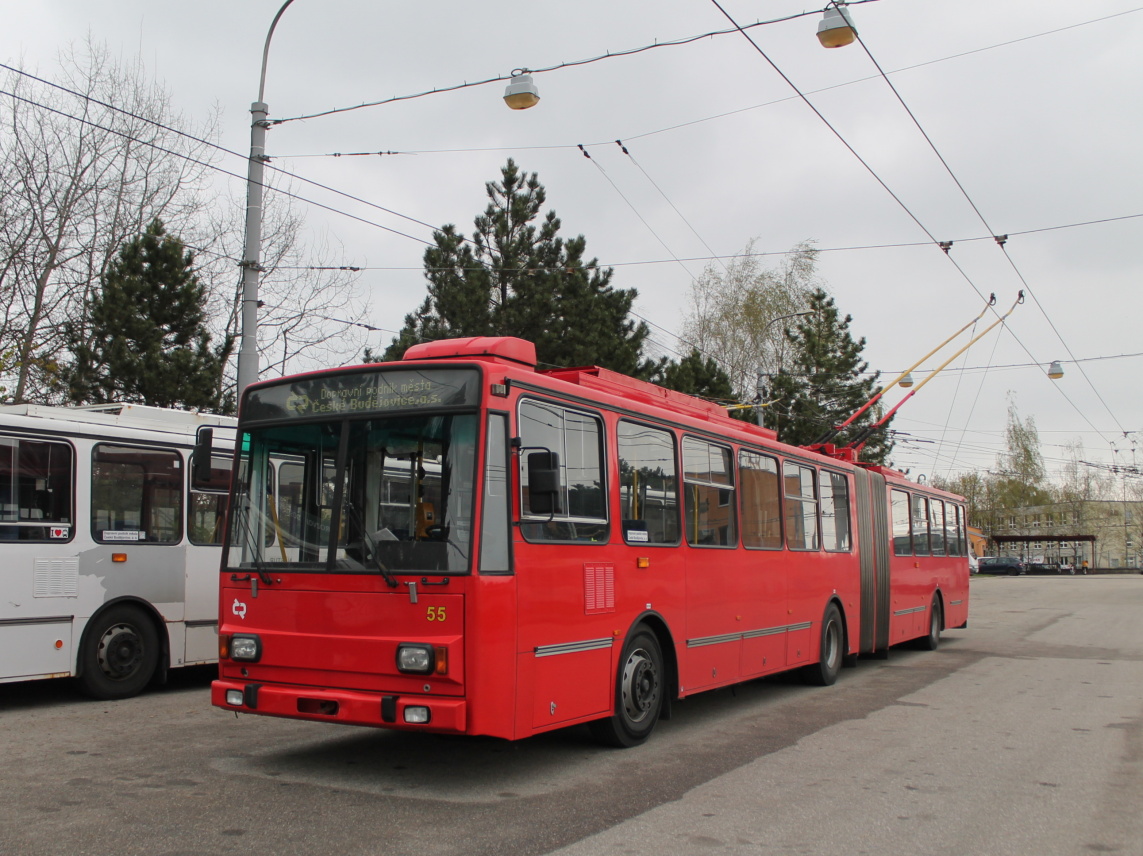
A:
<point x="1055" y="370"/>
<point x="521" y="93"/>
<point x="907" y="380"/>
<point x="836" y="30"/>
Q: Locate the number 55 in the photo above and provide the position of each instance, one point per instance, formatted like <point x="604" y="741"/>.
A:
<point x="436" y="613"/>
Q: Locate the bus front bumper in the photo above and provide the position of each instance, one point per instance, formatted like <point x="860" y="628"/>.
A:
<point x="380" y="710"/>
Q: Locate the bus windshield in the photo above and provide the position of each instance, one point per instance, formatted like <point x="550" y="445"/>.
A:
<point x="384" y="494"/>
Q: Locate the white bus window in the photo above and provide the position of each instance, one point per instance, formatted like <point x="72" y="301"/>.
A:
<point x="35" y="490"/>
<point x="206" y="512"/>
<point x="136" y="495"/>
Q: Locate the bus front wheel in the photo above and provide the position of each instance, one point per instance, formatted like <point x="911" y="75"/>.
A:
<point x="120" y="653"/>
<point x="639" y="686"/>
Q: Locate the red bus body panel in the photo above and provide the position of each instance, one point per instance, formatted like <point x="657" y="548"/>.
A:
<point x="538" y="648"/>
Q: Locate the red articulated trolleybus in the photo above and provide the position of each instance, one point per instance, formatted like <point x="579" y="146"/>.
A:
<point x="460" y="543"/>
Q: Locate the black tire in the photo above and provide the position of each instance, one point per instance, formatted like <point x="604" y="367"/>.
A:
<point x="120" y="653"/>
<point x="832" y="651"/>
<point x="932" y="640"/>
<point x="639" y="687"/>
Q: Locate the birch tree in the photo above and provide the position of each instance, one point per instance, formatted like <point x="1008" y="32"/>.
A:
<point x="732" y="310"/>
<point x="312" y="314"/>
<point x="86" y="162"/>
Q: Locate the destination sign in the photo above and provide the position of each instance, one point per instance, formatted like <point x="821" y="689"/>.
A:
<point x="362" y="393"/>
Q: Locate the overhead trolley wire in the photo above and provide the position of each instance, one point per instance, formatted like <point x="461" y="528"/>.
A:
<point x="1001" y="240"/>
<point x="943" y="245"/>
<point x="688" y="40"/>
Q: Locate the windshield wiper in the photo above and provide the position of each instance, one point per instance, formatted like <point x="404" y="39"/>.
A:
<point x="255" y="555"/>
<point x="390" y="580"/>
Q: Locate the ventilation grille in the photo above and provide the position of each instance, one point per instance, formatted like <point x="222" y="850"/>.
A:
<point x="56" y="577"/>
<point x="599" y="588"/>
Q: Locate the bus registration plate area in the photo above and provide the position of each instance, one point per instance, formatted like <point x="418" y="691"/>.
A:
<point x="360" y="633"/>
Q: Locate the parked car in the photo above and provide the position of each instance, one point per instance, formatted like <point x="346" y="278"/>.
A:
<point x="1002" y="565"/>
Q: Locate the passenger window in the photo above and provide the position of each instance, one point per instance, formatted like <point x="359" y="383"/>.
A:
<point x="956" y="533"/>
<point x="648" y="485"/>
<point x="902" y="537"/>
<point x="36" y="480"/>
<point x="835" y="512"/>
<point x="577" y="440"/>
<point x="937" y="526"/>
<point x="920" y="525"/>
<point x="709" y="485"/>
<point x="207" y="508"/>
<point x="136" y="495"/>
<point x="494" y="526"/>
<point x="801" y="506"/>
<point x="761" y="501"/>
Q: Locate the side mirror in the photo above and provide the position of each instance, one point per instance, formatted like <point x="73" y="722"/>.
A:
<point x="201" y="458"/>
<point x="544" y="489"/>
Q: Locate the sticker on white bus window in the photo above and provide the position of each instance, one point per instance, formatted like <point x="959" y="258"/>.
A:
<point x="120" y="535"/>
<point x="637" y="535"/>
<point x="58" y="532"/>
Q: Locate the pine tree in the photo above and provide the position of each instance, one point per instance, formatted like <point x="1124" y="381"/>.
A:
<point x="823" y="383"/>
<point x="518" y="277"/>
<point x="697" y="375"/>
<point x="146" y="340"/>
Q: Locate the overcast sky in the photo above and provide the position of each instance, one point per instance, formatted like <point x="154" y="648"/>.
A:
<point x="1035" y="106"/>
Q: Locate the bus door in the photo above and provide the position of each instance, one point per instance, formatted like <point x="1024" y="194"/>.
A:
<point x="765" y="565"/>
<point x="137" y="520"/>
<point x="718" y="602"/>
<point x="565" y="571"/>
<point x="41" y="547"/>
<point x="806" y="568"/>
<point x="206" y="516"/>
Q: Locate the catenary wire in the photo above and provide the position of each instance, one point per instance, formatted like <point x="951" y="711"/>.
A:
<point x="944" y="246"/>
<point x="1000" y="240"/>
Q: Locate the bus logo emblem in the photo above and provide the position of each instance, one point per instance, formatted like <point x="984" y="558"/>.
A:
<point x="239" y="609"/>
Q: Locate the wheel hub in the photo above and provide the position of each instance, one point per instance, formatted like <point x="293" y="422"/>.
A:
<point x="120" y="652"/>
<point x="640" y="686"/>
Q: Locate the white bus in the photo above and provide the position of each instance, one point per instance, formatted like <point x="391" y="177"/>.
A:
<point x="108" y="556"/>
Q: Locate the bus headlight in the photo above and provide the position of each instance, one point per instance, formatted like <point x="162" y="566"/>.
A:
<point x="234" y="698"/>
<point x="247" y="648"/>
<point x="415" y="659"/>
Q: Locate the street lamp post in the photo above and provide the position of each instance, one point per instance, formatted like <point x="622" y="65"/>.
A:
<point x="760" y="383"/>
<point x="252" y="253"/>
<point x="520" y="95"/>
<point x="765" y="333"/>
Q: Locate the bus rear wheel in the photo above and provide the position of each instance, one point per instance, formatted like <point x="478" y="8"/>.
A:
<point x="638" y="693"/>
<point x="824" y="672"/>
<point x="932" y="640"/>
<point x="120" y="654"/>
